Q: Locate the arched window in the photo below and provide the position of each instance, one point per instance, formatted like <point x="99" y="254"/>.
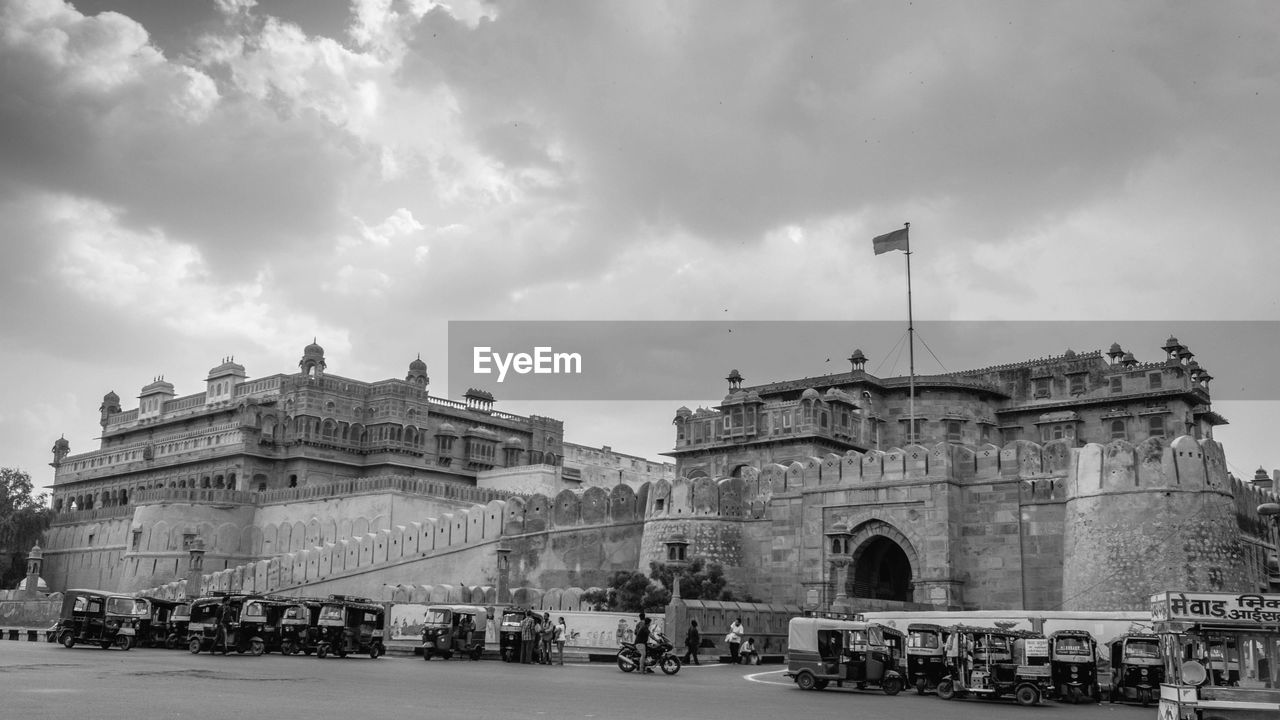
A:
<point x="1118" y="431"/>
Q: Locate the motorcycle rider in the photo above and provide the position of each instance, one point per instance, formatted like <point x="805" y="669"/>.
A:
<point x="642" y="641"/>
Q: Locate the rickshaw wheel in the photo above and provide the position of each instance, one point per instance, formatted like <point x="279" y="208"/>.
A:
<point x="921" y="684"/>
<point x="806" y="681"/>
<point x="670" y="664"/>
<point x="194" y="646"/>
<point x="375" y="652"/>
<point x="1027" y="695"/>
<point x="171" y="642"/>
<point x="322" y="651"/>
<point x="891" y="686"/>
<point x="426" y="654"/>
<point x="68" y="639"/>
<point x="946" y="689"/>
<point x="124" y="642"/>
<point x="287" y="648"/>
<point x="105" y="644"/>
<point x="256" y="647"/>
<point x="476" y="652"/>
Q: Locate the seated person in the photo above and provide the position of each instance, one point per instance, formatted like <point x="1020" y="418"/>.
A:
<point x="747" y="654"/>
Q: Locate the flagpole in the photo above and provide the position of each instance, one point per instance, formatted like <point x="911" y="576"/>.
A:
<point x="911" y="350"/>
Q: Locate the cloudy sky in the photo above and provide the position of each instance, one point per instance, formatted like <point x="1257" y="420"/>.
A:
<point x="185" y="181"/>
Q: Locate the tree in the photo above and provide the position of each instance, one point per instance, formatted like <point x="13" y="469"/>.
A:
<point x="23" y="519"/>
<point x="633" y="591"/>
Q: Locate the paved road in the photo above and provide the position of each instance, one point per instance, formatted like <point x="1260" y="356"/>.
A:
<point x="42" y="681"/>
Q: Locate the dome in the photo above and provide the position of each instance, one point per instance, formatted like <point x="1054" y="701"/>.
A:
<point x="111" y="397"/>
<point x="1069" y="353"/>
<point x="513" y="442"/>
<point x="857" y="356"/>
<point x="313" y="349"/>
<point x="810" y="394"/>
<point x="417" y="365"/>
<point x="446" y="429"/>
<point x="1115" y="348"/>
<point x="683" y="412"/>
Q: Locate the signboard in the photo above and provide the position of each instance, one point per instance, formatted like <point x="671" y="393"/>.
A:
<point x="1037" y="647"/>
<point x="1247" y="609"/>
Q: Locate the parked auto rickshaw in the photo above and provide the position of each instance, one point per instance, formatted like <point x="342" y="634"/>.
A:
<point x="1137" y="668"/>
<point x="896" y="642"/>
<point x="179" y="622"/>
<point x="153" y="629"/>
<point x="509" y="632"/>
<point x="822" y="650"/>
<point x="350" y="625"/>
<point x="1073" y="666"/>
<point x="991" y="662"/>
<point x="925" y="661"/>
<point x="298" y="626"/>
<point x="100" y="618"/>
<point x="1200" y="682"/>
<point x="450" y="629"/>
<point x="225" y="623"/>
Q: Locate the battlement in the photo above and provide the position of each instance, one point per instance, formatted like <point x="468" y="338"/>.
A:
<point x="1184" y="465"/>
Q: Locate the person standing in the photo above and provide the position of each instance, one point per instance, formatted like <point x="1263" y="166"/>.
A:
<point x="562" y="634"/>
<point x="692" y="641"/>
<point x="548" y="632"/>
<point x="734" y="639"/>
<point x="526" y="639"/>
<point x="642" y="641"/>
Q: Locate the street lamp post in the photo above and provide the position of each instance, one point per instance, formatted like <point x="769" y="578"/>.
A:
<point x="838" y="541"/>
<point x="504" y="572"/>
<point x="1271" y="512"/>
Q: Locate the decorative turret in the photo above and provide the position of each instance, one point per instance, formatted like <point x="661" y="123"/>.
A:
<point x="1115" y="353"/>
<point x="220" y="385"/>
<point x="110" y="406"/>
<point x="153" y="397"/>
<point x="735" y="380"/>
<point x="60" y="450"/>
<point x="417" y="373"/>
<point x="858" y="361"/>
<point x="312" y="363"/>
<point x="481" y="400"/>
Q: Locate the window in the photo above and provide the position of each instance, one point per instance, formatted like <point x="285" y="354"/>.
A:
<point x="1042" y="387"/>
<point x="1155" y="381"/>
<point x="1118" y="431"/>
<point x="1077" y="384"/>
<point x="1117" y="385"/>
<point x="659" y="504"/>
<point x="985" y="433"/>
<point x="913" y="434"/>
<point x="953" y="431"/>
<point x="136" y="542"/>
<point x="1155" y="425"/>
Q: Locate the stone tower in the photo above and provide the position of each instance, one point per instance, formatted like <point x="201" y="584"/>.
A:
<point x="1147" y="518"/>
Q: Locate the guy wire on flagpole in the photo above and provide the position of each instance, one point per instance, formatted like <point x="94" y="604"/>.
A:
<point x="911" y="351"/>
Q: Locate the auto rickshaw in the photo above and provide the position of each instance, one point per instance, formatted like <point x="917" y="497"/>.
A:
<point x="350" y="625"/>
<point x="991" y="662"/>
<point x="153" y="629"/>
<point x="450" y="629"/>
<point x="925" y="661"/>
<point x="298" y="626"/>
<point x="509" y="632"/>
<point x="1073" y="666"/>
<point x="223" y="623"/>
<point x="1137" y="668"/>
<point x="100" y="618"/>
<point x="823" y="650"/>
<point x="1199" y="680"/>
<point x="179" y="622"/>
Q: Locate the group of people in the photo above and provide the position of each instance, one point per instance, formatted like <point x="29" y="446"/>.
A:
<point x="739" y="652"/>
<point x="538" y="635"/>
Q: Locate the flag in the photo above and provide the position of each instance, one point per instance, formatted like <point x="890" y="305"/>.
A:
<point x="896" y="240"/>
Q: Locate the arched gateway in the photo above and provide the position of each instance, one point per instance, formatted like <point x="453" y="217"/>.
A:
<point x="884" y="563"/>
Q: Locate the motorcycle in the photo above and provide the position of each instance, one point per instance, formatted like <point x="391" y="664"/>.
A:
<point x="659" y="653"/>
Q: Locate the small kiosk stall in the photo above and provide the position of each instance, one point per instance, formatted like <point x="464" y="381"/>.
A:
<point x="1221" y="655"/>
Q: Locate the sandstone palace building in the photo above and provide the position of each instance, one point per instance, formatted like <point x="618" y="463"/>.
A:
<point x="1085" y="481"/>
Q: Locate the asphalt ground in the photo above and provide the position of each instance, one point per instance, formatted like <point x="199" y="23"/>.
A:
<point x="40" y="681"/>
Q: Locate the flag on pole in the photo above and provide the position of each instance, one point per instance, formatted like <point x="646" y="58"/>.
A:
<point x="896" y="240"/>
